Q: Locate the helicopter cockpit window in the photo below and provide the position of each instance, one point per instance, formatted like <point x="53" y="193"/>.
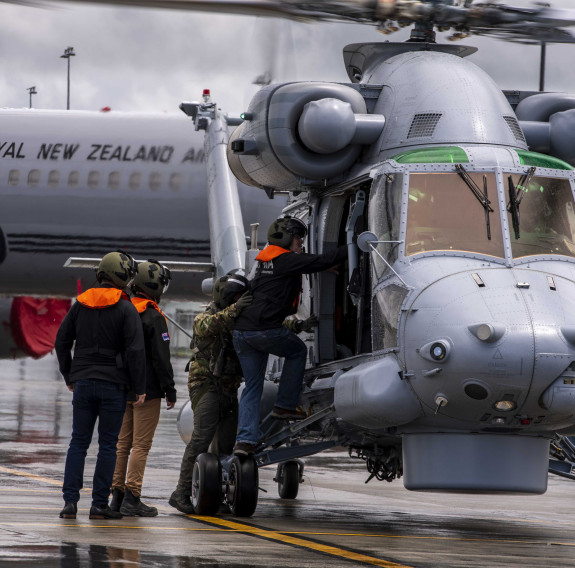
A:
<point x="541" y="215"/>
<point x="450" y="211"/>
<point x="384" y="220"/>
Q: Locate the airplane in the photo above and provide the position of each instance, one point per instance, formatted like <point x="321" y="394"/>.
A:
<point x="445" y="352"/>
<point x="82" y="183"/>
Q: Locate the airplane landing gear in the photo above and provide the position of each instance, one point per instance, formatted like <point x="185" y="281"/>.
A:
<point x="207" y="484"/>
<point x="242" y="486"/>
<point x="289" y="475"/>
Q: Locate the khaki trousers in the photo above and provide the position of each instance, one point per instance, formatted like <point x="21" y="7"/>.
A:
<point x="134" y="444"/>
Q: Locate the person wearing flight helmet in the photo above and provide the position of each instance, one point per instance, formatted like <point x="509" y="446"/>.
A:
<point x="109" y="359"/>
<point x="213" y="381"/>
<point x="260" y="329"/>
<point x="140" y="422"/>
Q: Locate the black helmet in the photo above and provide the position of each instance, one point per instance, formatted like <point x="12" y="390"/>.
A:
<point x="152" y="279"/>
<point x="227" y="288"/>
<point x="283" y="230"/>
<point x="118" y="268"/>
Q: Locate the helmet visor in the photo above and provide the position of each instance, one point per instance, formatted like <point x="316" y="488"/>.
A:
<point x="297" y="228"/>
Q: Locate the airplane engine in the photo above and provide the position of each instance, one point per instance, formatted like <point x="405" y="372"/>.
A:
<point x="301" y="133"/>
<point x="29" y="325"/>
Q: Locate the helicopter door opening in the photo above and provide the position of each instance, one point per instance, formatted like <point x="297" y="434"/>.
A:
<point x="345" y="320"/>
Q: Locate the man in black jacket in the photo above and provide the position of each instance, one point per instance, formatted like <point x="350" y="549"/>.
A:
<point x="109" y="359"/>
<point x="260" y="330"/>
<point x="140" y="422"/>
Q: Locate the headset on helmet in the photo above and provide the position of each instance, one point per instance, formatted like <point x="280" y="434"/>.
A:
<point x="152" y="279"/>
<point x="227" y="288"/>
<point x="118" y="268"/>
<point x="283" y="230"/>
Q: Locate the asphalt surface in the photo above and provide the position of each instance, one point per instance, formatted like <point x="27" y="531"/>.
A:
<point x="337" y="520"/>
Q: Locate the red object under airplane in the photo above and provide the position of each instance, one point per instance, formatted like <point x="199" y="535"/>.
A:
<point x="35" y="322"/>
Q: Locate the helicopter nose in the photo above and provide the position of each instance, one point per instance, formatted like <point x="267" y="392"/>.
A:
<point x="489" y="353"/>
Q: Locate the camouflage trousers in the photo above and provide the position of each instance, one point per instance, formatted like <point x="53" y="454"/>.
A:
<point x="215" y="427"/>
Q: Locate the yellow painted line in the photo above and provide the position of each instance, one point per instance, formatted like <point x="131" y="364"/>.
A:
<point x="301" y="543"/>
<point x="30" y="475"/>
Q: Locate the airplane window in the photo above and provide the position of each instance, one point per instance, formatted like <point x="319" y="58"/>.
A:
<point x="74" y="179"/>
<point x="175" y="181"/>
<point x="93" y="179"/>
<point x="384" y="220"/>
<point x="14" y="177"/>
<point x="155" y="181"/>
<point x="114" y="180"/>
<point x="53" y="178"/>
<point x="33" y="178"/>
<point x="542" y="219"/>
<point x="135" y="180"/>
<point x="445" y="213"/>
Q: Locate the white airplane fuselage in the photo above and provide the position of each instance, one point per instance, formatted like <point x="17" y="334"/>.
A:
<point x="81" y="184"/>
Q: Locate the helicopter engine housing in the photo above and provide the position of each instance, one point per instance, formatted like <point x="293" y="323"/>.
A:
<point x="301" y="133"/>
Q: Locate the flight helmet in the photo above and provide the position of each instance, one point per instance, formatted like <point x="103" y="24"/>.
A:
<point x="152" y="279"/>
<point x="227" y="289"/>
<point x="118" y="268"/>
<point x="283" y="230"/>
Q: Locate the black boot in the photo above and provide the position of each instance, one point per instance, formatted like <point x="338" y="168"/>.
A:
<point x="117" y="498"/>
<point x="182" y="503"/>
<point x="69" y="511"/>
<point x="133" y="507"/>
<point x="103" y="512"/>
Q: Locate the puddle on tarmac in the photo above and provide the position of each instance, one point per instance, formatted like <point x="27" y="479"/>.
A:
<point x="71" y="555"/>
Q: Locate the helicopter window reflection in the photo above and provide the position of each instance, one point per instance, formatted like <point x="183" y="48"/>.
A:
<point x="443" y="213"/>
<point x="384" y="220"/>
<point x="543" y="218"/>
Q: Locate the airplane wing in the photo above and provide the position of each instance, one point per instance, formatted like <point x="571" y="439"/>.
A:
<point x="173" y="266"/>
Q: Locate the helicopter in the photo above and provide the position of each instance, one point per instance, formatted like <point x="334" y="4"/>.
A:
<point x="445" y="351"/>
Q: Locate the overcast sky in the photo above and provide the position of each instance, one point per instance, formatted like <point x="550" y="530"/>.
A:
<point x="151" y="60"/>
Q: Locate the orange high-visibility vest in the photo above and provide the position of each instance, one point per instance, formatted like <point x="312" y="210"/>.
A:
<point x="97" y="298"/>
<point x="142" y="304"/>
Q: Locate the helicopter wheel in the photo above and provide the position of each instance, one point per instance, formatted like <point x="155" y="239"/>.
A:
<point x="207" y="484"/>
<point x="242" y="491"/>
<point x="288" y="479"/>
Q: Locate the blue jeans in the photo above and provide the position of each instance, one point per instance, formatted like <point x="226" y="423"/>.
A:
<point x="253" y="349"/>
<point x="94" y="399"/>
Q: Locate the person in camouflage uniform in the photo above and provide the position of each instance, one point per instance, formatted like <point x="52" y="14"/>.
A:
<point x="214" y="377"/>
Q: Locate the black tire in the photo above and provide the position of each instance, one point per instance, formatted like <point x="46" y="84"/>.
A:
<point x="242" y="492"/>
<point x="207" y="484"/>
<point x="288" y="480"/>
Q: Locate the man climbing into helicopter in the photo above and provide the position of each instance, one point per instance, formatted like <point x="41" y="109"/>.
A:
<point x="260" y="330"/>
<point x="214" y="378"/>
<point x="140" y="422"/>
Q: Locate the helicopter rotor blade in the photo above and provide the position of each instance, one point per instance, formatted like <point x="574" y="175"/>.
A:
<point x="524" y="24"/>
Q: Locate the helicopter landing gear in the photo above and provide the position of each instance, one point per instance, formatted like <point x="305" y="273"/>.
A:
<point x="242" y="486"/>
<point x="207" y="484"/>
<point x="288" y="476"/>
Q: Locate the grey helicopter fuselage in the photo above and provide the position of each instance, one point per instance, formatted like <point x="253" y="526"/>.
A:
<point x="460" y="339"/>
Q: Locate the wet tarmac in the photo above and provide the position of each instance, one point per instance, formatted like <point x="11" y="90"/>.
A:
<point x="337" y="520"/>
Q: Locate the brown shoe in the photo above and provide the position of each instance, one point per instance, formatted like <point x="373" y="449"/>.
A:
<point x="285" y="414"/>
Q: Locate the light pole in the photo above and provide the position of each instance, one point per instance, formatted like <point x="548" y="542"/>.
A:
<point x="32" y="91"/>
<point x="68" y="52"/>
